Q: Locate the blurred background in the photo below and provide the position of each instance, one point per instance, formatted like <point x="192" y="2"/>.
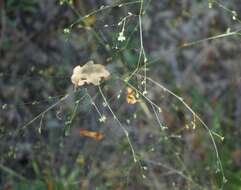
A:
<point x="41" y="115"/>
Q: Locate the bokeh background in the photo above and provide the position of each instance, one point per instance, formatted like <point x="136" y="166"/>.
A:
<point x="40" y="145"/>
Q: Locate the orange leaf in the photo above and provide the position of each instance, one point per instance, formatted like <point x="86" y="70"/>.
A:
<point x="131" y="97"/>
<point x="91" y="134"/>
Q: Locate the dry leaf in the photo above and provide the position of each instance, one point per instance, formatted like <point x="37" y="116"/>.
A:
<point x="92" y="134"/>
<point x="89" y="20"/>
<point x="50" y="185"/>
<point x="89" y="73"/>
<point x="131" y="97"/>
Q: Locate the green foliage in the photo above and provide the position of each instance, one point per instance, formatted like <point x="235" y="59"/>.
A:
<point x="21" y="6"/>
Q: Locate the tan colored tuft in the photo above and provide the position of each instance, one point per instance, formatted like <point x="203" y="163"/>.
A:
<point x="89" y="73"/>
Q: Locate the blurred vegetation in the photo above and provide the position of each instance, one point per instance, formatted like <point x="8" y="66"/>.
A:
<point x="191" y="48"/>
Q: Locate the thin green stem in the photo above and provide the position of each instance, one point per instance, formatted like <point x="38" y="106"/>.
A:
<point x="12" y="172"/>
<point x="119" y="123"/>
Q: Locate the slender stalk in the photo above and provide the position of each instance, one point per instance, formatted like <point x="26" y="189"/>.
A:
<point x="119" y="123"/>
